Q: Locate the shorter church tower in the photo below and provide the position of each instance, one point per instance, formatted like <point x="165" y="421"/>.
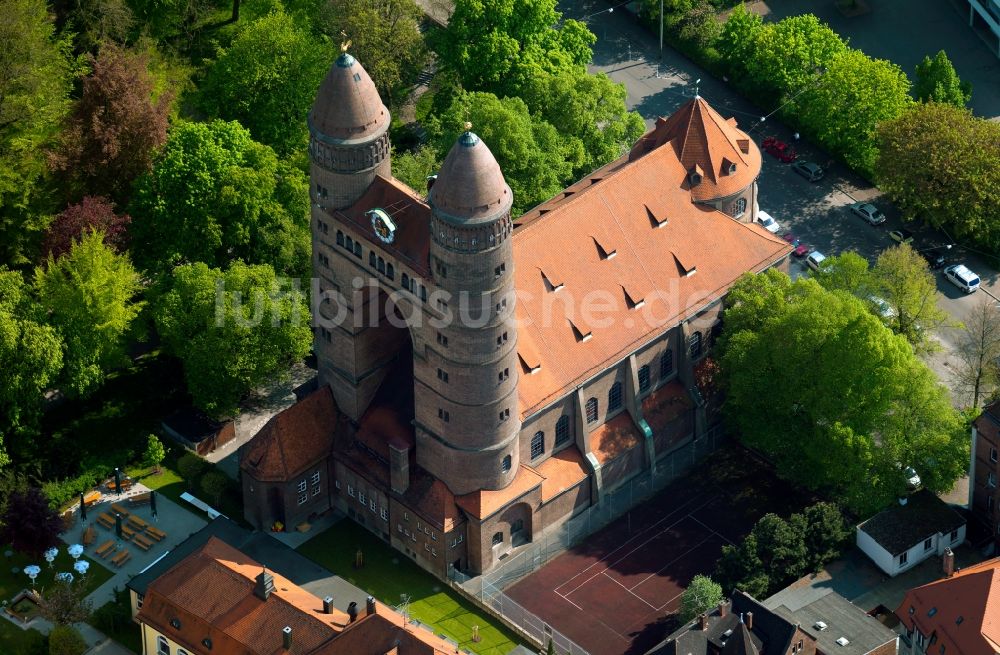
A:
<point x="466" y="389"/>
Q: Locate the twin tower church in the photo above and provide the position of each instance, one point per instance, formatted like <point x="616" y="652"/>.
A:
<point x="455" y="440"/>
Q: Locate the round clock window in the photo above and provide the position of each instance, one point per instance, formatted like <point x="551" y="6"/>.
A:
<point x="382" y="224"/>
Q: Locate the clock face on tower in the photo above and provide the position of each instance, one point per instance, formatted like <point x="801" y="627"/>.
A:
<point x="383" y="226"/>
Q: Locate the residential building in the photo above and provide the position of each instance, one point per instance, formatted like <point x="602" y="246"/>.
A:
<point x="956" y="615"/>
<point x="987" y="14"/>
<point x="837" y="625"/>
<point x="984" y="471"/>
<point x="208" y="597"/>
<point x="482" y="397"/>
<point x="900" y="537"/>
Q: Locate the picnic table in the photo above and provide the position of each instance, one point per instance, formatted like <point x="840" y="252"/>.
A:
<point x="137" y="523"/>
<point x="89" y="534"/>
<point x="105" y="548"/>
<point x="122" y="557"/>
<point x="128" y="531"/>
<point x="141" y="541"/>
<point x="139" y="499"/>
<point x="119" y="509"/>
<point x="91" y="498"/>
<point x="159" y="535"/>
<point x="106" y="520"/>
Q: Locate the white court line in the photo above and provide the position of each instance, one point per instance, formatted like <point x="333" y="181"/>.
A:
<point x="713" y="531"/>
<point x="605" y="574"/>
<point x="571" y="602"/>
<point x="655" y="536"/>
<point x="679" y="557"/>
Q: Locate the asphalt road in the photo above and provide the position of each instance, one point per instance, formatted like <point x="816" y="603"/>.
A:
<point x="815" y="212"/>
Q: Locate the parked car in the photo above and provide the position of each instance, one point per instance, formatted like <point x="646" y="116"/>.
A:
<point x="768" y="222"/>
<point x="815" y="260"/>
<point x="902" y="236"/>
<point x="801" y="249"/>
<point x="869" y="212"/>
<point x="809" y="170"/>
<point x="881" y="305"/>
<point x="962" y="277"/>
<point x="935" y="258"/>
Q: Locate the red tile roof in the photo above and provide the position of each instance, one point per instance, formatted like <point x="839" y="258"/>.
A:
<point x="704" y="140"/>
<point x="293" y="440"/>
<point x="665" y="404"/>
<point x="347" y="105"/>
<point x="470" y="187"/>
<point x="675" y="270"/>
<point x="562" y="471"/>
<point x="972" y="594"/>
<point x="614" y="438"/>
<point x="483" y="503"/>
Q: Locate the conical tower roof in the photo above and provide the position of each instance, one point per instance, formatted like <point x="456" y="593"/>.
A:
<point x="470" y="187"/>
<point x="348" y="106"/>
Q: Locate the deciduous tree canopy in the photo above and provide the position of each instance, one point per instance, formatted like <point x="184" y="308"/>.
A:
<point x="937" y="81"/>
<point x="91" y="214"/>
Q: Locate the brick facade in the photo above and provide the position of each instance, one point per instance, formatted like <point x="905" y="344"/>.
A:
<point x="984" y="471"/>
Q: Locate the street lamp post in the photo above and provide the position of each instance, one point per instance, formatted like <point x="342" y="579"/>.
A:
<point x="661" y="29"/>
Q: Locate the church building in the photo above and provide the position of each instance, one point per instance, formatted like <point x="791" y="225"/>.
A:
<point x="484" y="377"/>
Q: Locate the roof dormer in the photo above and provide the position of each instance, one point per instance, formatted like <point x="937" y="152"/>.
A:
<point x="696" y="175"/>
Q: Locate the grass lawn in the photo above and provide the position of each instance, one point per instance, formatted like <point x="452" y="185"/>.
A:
<point x="11" y="582"/>
<point x="121" y="628"/>
<point x="16" y="640"/>
<point x="388" y="573"/>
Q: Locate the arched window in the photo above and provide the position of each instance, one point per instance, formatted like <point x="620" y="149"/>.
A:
<point x="340" y="238"/>
<point x="181" y="651"/>
<point x="562" y="430"/>
<point x="666" y="363"/>
<point x="644" y="378"/>
<point x="381" y="265"/>
<point x="505" y="466"/>
<point x="406" y="281"/>
<point x="694" y="345"/>
<point x="537" y="445"/>
<point x="372" y="259"/>
<point x="390" y="272"/>
<point x="357" y="249"/>
<point x="162" y="646"/>
<point x="350" y="242"/>
<point x="740" y="207"/>
<point x="614" y="399"/>
<point x="497" y="538"/>
<point x="591" y="410"/>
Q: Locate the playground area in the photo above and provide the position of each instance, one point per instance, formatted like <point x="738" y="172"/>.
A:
<point x="616" y="592"/>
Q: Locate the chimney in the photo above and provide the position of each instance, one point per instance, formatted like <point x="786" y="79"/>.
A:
<point x="399" y="468"/>
<point x="264" y="585"/>
<point x="286" y="637"/>
<point x="948" y="563"/>
<point x="749" y="621"/>
<point x="723" y="608"/>
<point x="328" y="605"/>
<point x="369" y="606"/>
<point x="352" y="612"/>
<point x="703" y="621"/>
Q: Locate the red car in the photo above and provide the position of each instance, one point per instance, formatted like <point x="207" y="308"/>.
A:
<point x="789" y="237"/>
<point x="801" y="250"/>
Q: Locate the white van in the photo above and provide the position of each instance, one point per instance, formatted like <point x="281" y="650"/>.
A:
<point x="767" y="222"/>
<point x="815" y="259"/>
<point x="962" y="277"/>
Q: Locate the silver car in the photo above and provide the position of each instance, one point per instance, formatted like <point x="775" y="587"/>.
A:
<point x="869" y="212"/>
<point x="809" y="170"/>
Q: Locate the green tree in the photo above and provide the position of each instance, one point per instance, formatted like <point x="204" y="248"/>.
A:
<point x="385" y="37"/>
<point x="232" y="330"/>
<point x="740" y="568"/>
<point x="66" y="640"/>
<point x="862" y="404"/>
<point x="267" y="80"/>
<point x="214" y="484"/>
<point x="590" y="108"/>
<point x="826" y="533"/>
<point x="942" y="164"/>
<point x="36" y="77"/>
<point x="978" y="352"/>
<point x="937" y="81"/>
<point x="155" y="453"/>
<point x="414" y="167"/>
<point x="536" y="160"/>
<point x="90" y="297"/>
<point x="788" y="54"/>
<point x="699" y="25"/>
<point x="902" y="277"/>
<point x="781" y="547"/>
<point x="191" y="467"/>
<point x="65" y="603"/>
<point x="500" y="46"/>
<point x="848" y="272"/>
<point x="30" y="356"/>
<point x="844" y="107"/>
<point x="215" y="195"/>
<point x="700" y="596"/>
<point x="738" y="43"/>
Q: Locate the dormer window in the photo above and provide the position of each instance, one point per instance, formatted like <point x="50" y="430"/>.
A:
<point x="605" y="250"/>
<point x="633" y="300"/>
<point x="695" y="175"/>
<point x="580" y="334"/>
<point x="728" y="167"/>
<point x="552" y="282"/>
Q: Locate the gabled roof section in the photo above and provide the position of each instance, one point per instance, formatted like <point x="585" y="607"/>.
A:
<point x="702" y="139"/>
<point x="293" y="440"/>
<point x="483" y="503"/>
<point x="972" y="595"/>
<point x="901" y="527"/>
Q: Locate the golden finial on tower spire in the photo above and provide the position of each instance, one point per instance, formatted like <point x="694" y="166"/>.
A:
<point x="346" y="43"/>
<point x="468" y="126"/>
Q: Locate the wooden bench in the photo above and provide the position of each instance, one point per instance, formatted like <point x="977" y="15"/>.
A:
<point x="159" y="535"/>
<point x="140" y="540"/>
<point x="105" y="548"/>
<point x="92" y="498"/>
<point x="129" y="532"/>
<point x="126" y="485"/>
<point x="88" y="536"/>
<point x="137" y="523"/>
<point x="118" y="509"/>
<point x="106" y="520"/>
<point x="139" y="499"/>
<point x="121" y="557"/>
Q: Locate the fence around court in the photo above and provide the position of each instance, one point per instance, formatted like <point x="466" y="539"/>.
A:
<point x="489" y="588"/>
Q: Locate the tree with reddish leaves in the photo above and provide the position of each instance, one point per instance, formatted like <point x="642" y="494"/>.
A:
<point x="29" y="524"/>
<point x="95" y="214"/>
<point x="115" y="126"/>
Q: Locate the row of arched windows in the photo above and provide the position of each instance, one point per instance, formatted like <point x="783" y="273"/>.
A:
<point x="347" y="243"/>
<point x="163" y="647"/>
<point x="645" y="380"/>
<point x="380" y="265"/>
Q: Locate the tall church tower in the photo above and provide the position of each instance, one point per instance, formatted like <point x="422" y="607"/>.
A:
<point x="348" y="136"/>
<point x="466" y="389"/>
<point x="348" y="148"/>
